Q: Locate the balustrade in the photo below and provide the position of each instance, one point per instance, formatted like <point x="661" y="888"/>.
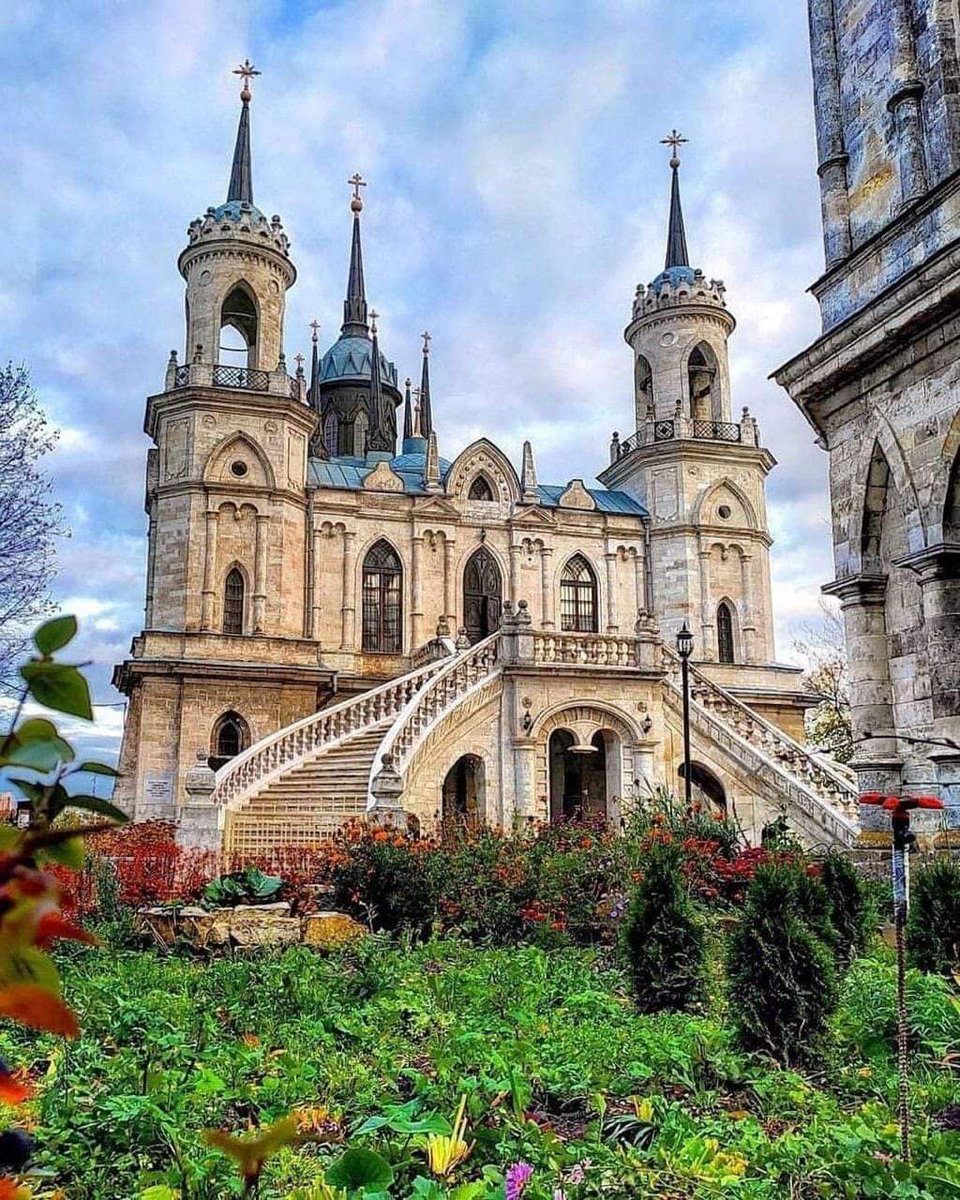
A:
<point x="584" y="649"/>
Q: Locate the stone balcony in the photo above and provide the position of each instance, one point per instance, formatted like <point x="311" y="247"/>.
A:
<point x="244" y="379"/>
<point x="683" y="428"/>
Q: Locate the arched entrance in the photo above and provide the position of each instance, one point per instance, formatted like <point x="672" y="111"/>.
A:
<point x="705" y="788"/>
<point x="482" y="595"/>
<point x="463" y="791"/>
<point x="578" y="776"/>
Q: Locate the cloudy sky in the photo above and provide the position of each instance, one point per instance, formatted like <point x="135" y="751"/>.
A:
<point x="517" y="194"/>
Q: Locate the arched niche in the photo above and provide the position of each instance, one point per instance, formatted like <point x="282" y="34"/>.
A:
<point x="239" y="461"/>
<point x="239" y="327"/>
<point x="703" y="383"/>
<point x="706" y="788"/>
<point x="234" y="607"/>
<point x="229" y="737"/>
<point x="464" y="792"/>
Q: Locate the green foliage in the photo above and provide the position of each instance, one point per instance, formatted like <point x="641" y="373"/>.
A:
<point x="933" y="933"/>
<point x="360" y="1170"/>
<point x="663" y="939"/>
<point x="781" y="975"/>
<point x="249" y="886"/>
<point x="851" y="910"/>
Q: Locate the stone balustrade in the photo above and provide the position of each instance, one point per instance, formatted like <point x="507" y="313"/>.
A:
<point x="297" y="743"/>
<point x="219" y="375"/>
<point x="584" y="649"/>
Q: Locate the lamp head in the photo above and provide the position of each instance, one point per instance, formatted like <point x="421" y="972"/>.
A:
<point x="684" y="642"/>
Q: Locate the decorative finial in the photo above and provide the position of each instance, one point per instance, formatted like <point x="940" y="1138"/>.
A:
<point x="315" y="326"/>
<point x="373" y="320"/>
<point x="356" y="181"/>
<point x="298" y="359"/>
<point x="247" y="70"/>
<point x="427" y="339"/>
<point x="407" y="382"/>
<point x="674" y="141"/>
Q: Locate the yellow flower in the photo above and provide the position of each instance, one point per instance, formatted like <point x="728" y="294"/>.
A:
<point x="865" y="1072"/>
<point x="643" y="1108"/>
<point x="445" y="1152"/>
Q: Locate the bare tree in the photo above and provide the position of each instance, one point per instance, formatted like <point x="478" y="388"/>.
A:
<point x="822" y="646"/>
<point x="30" y="519"/>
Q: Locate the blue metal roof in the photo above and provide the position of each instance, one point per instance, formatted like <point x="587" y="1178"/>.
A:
<point x="349" y="358"/>
<point x="674" y="276"/>
<point x="237" y="210"/>
<point x="349" y="472"/>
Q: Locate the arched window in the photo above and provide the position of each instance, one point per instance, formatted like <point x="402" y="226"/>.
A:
<point x="360" y="426"/>
<point x="231" y="735"/>
<point x="644" y="386"/>
<point x="238" y="329"/>
<point x="702" y="372"/>
<point x="331" y="434"/>
<point x="578" y="597"/>
<point x="480" y="489"/>
<point x="233" y="590"/>
<point x="382" y="580"/>
<point x="874" y="510"/>
<point x="725" y="646"/>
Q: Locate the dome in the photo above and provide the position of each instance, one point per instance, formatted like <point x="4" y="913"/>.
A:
<point x="674" y="277"/>
<point x="349" y="359"/>
<point x="236" y="210"/>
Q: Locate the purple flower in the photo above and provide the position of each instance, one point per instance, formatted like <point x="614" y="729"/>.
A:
<point x="517" y="1178"/>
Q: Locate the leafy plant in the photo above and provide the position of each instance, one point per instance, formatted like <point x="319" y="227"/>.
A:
<point x="933" y="931"/>
<point x="249" y="886"/>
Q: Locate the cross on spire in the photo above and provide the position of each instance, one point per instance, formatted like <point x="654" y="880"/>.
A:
<point x="373" y="320"/>
<point x="246" y="70"/>
<point x="427" y="339"/>
<point x="674" y="141"/>
<point x="315" y="326"/>
<point x="356" y="181"/>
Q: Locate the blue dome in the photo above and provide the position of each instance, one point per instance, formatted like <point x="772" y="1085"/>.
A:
<point x="416" y="463"/>
<point x="236" y="210"/>
<point x="349" y="358"/>
<point x="674" y="276"/>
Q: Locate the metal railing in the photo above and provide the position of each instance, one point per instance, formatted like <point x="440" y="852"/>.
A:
<point x="246" y="379"/>
<point x="717" y="431"/>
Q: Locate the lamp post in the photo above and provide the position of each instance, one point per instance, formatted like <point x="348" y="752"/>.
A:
<point x="899" y="808"/>
<point x="685" y="649"/>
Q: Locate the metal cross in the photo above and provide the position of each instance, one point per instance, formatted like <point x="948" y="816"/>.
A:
<point x="427" y="339"/>
<point x="247" y="70"/>
<point x="315" y="326"/>
<point x="373" y="320"/>
<point x="674" y="141"/>
<point x="298" y="359"/>
<point x="357" y="181"/>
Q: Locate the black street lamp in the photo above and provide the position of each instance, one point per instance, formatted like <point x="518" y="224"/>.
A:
<point x="685" y="649"/>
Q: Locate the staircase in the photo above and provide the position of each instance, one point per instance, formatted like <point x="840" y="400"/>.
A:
<point x="818" y="795"/>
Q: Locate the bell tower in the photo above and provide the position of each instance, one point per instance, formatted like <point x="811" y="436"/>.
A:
<point x="699" y="472"/>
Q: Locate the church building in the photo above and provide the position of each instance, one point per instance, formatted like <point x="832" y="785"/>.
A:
<point x="345" y="617"/>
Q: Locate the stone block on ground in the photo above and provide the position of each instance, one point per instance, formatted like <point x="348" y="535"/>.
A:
<point x="331" y="930"/>
<point x="254" y="926"/>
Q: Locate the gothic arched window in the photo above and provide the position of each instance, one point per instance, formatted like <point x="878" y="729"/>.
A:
<point x="480" y="489"/>
<point x="360" y="427"/>
<point x="238" y="329"/>
<point x="702" y="373"/>
<point x="578" y="597"/>
<point x="331" y="434"/>
<point x="725" y="645"/>
<point x="231" y="735"/>
<point x="233" y="590"/>
<point x="382" y="581"/>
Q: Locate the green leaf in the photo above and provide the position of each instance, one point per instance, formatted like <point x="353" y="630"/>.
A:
<point x="68" y="853"/>
<point x="28" y="965"/>
<point x="59" y="687"/>
<point x="95" y="804"/>
<point x="96" y="768"/>
<point x="55" y="634"/>
<point x="32" y="791"/>
<point x="360" y="1169"/>
<point x="37" y="745"/>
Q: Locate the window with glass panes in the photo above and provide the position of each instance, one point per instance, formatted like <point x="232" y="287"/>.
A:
<point x="233" y="602"/>
<point x="382" y="581"/>
<point x="578" y="597"/>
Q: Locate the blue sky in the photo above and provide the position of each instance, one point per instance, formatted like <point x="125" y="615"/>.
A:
<point x="517" y="194"/>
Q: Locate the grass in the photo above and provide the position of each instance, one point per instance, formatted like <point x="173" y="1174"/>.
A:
<point x="546" y="1047"/>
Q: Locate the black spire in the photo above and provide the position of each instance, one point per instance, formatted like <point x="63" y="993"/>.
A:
<point x="355" y="305"/>
<point x="241" y="175"/>
<point x="426" y="416"/>
<point x="313" y="394"/>
<point x="407" y="412"/>
<point x="380" y="437"/>
<point x="676" y="237"/>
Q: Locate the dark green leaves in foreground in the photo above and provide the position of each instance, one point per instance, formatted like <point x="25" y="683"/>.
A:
<point x="56" y="685"/>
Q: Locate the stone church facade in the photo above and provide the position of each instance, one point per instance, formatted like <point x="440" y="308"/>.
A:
<point x="341" y="621"/>
<point x="881" y="386"/>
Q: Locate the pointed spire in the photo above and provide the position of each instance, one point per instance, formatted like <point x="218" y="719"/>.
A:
<point x="676" y="237"/>
<point x="241" y="175"/>
<point x="314" y="364"/>
<point x="355" y="305"/>
<point x="380" y="438"/>
<point x="528" y="477"/>
<point x="431" y="474"/>
<point x="407" y="411"/>
<point x="426" y="415"/>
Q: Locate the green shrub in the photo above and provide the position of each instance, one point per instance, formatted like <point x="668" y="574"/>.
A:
<point x="249" y="886"/>
<point x="663" y="940"/>
<point x="782" y="977"/>
<point x="934" y="927"/>
<point x="850" y="907"/>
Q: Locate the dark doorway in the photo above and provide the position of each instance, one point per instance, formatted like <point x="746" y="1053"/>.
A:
<point x="706" y="788"/>
<point x="482" y="595"/>
<point x="463" y="791"/>
<point x="578" y="777"/>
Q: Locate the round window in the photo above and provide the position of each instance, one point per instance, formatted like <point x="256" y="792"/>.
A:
<point x="239" y="468"/>
<point x="724" y="511"/>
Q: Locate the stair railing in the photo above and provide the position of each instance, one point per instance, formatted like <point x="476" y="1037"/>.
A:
<point x="293" y="744"/>
<point x="456" y="679"/>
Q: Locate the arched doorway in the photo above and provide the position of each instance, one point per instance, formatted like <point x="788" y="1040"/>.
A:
<point x="231" y="735"/>
<point x="705" y="788"/>
<point x="463" y="791"/>
<point x="578" y="776"/>
<point x="482" y="595"/>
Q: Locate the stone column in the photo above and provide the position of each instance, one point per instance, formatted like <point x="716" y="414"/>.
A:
<point x="449" y="583"/>
<point x="514" y="571"/>
<point x="348" y="608"/>
<point x="638" y="573"/>
<point x="706" y="614"/>
<point x="416" y="592"/>
<point x="260" y="572"/>
<point x="834" y="198"/>
<point x="546" y="587"/>
<point x="611" y="561"/>
<point x="904" y="105"/>
<point x="317" y="617"/>
<point x="749" y="618"/>
<point x="208" y="599"/>
<point x="876" y="761"/>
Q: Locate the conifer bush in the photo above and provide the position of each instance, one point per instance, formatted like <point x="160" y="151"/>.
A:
<point x="933" y="933"/>
<point x="663" y="940"/>
<point x="782" y="978"/>
<point x="850" y="907"/>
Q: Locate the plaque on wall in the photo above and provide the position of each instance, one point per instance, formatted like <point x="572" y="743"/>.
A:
<point x="158" y="788"/>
